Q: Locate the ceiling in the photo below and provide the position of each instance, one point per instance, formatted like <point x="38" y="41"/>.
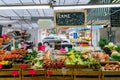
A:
<point x="26" y="18"/>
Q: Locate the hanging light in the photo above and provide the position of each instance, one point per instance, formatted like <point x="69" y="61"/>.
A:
<point x="85" y="6"/>
<point x="24" y="7"/>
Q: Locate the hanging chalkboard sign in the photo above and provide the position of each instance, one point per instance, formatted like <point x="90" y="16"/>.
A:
<point x="69" y="18"/>
<point x="115" y="17"/>
<point x="1" y="26"/>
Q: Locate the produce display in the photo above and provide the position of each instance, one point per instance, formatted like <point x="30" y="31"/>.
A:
<point x="81" y="58"/>
<point x="111" y="66"/>
<point x="30" y="55"/>
<point x="112" y="50"/>
<point x="4" y="39"/>
<point x="100" y="56"/>
<point x="77" y="57"/>
<point x="2" y="52"/>
<point x="4" y="62"/>
<point x="13" y="56"/>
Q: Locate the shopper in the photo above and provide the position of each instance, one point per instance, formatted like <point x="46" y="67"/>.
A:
<point x="41" y="47"/>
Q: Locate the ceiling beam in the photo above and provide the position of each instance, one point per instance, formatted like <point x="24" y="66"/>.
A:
<point x="37" y="9"/>
<point x="33" y="1"/>
<point x="59" y="2"/>
<point x="38" y="12"/>
<point x="21" y="2"/>
<point x="40" y="1"/>
<point x="43" y="12"/>
<point x="77" y="1"/>
<point x="22" y="18"/>
<point x="4" y="2"/>
<point x="4" y="17"/>
<point x="25" y="9"/>
<point x="29" y="12"/>
<point x="64" y="2"/>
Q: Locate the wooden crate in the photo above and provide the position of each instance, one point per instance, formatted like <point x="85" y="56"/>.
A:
<point x="17" y="66"/>
<point x="87" y="74"/>
<point x="40" y="75"/>
<point x="58" y="78"/>
<point x="111" y="75"/>
<point x="60" y="74"/>
<point x="5" y="74"/>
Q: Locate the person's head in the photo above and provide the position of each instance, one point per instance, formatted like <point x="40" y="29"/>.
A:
<point x="39" y="44"/>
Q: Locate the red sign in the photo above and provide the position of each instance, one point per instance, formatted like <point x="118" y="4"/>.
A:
<point x="62" y="50"/>
<point x="1" y="66"/>
<point x="49" y="72"/>
<point x="32" y="72"/>
<point x="23" y="66"/>
<point x="14" y="73"/>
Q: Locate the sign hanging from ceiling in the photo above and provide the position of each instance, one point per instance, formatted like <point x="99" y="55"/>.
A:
<point x="70" y="18"/>
<point x="115" y="17"/>
<point x="45" y="23"/>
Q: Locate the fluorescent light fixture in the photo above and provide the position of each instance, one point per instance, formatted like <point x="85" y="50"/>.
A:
<point x="85" y="6"/>
<point x="24" y="7"/>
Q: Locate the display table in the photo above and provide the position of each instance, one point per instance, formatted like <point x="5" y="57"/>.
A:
<point x="59" y="74"/>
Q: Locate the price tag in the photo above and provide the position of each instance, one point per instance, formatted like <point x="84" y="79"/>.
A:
<point x="62" y="50"/>
<point x="23" y="66"/>
<point x="14" y="73"/>
<point x="49" y="72"/>
<point x="25" y="46"/>
<point x="1" y="66"/>
<point x="32" y="72"/>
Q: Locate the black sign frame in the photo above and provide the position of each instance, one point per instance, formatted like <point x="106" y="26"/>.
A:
<point x="69" y="11"/>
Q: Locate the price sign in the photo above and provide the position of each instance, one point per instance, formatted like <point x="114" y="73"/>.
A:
<point x="23" y="66"/>
<point x="14" y="73"/>
<point x="32" y="72"/>
<point x="1" y="66"/>
<point x="49" y="72"/>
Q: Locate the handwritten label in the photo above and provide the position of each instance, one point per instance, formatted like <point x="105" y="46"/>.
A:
<point x="32" y="72"/>
<point x="23" y="66"/>
<point x="49" y="72"/>
<point x="1" y="66"/>
<point x="63" y="16"/>
<point x="14" y="73"/>
<point x="70" y="18"/>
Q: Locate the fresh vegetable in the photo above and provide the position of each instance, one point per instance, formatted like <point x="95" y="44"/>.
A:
<point x="2" y="51"/>
<point x="103" y="41"/>
<point x="100" y="56"/>
<point x="38" y="63"/>
<point x="118" y="48"/>
<point x="31" y="55"/>
<point x="107" y="50"/>
<point x="112" y="67"/>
